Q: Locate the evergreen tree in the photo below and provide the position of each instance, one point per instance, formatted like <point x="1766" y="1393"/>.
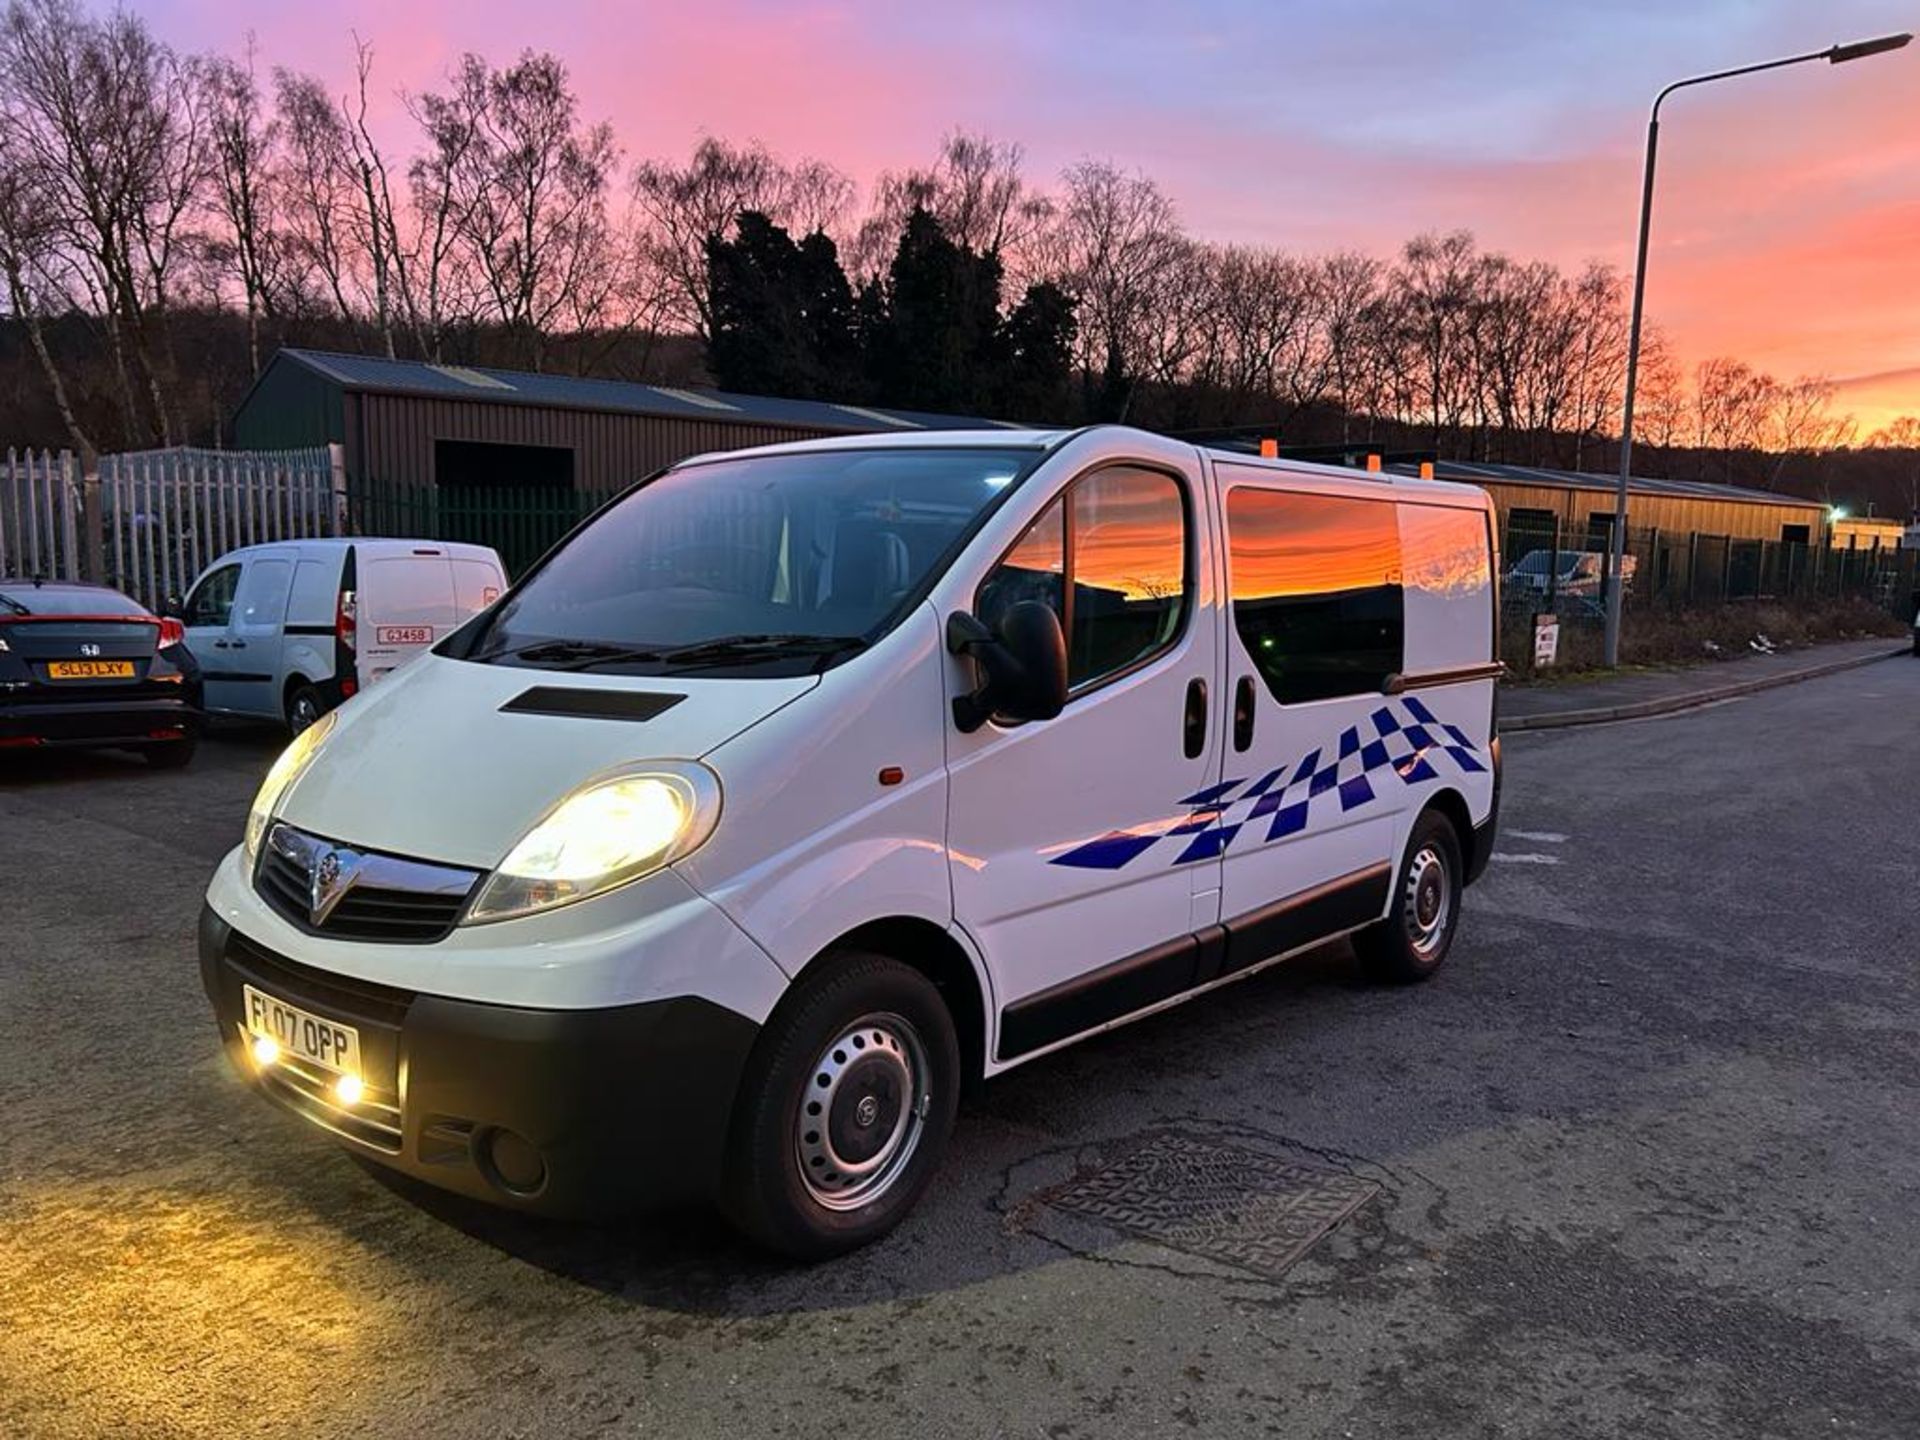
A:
<point x="783" y="314"/>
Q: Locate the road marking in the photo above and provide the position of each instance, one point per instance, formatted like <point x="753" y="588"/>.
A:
<point x="1525" y="859"/>
<point x="1544" y="837"/>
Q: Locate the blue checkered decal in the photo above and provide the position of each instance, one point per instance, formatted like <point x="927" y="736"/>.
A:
<point x="1402" y="741"/>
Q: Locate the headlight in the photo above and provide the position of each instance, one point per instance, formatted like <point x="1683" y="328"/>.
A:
<point x="606" y="833"/>
<point x="294" y="759"/>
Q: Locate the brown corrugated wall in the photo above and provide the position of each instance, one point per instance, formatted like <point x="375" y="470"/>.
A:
<point x="391" y="437"/>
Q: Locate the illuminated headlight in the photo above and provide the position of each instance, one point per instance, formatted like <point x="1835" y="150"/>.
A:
<point x="608" y="832"/>
<point x="287" y="769"/>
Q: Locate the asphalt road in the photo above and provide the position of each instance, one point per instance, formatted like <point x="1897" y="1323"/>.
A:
<point x="1642" y="1161"/>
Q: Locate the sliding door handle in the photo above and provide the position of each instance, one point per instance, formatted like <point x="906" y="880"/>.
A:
<point x="1194" y="735"/>
<point x="1243" y="713"/>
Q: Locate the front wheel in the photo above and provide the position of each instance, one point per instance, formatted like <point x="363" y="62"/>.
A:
<point x="305" y="706"/>
<point x="1413" y="941"/>
<point x="845" y="1108"/>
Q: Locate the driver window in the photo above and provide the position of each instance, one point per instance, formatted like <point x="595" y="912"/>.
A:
<point x="1109" y="558"/>
<point x="211" y="603"/>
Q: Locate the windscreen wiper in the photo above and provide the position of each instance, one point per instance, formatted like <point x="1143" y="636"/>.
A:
<point x="751" y="649"/>
<point x="572" y="654"/>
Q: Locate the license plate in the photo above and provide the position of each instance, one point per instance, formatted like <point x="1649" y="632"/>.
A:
<point x="403" y="635"/>
<point x="90" y="669"/>
<point x="327" y="1043"/>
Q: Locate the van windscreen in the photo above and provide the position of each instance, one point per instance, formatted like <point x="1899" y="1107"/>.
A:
<point x="762" y="565"/>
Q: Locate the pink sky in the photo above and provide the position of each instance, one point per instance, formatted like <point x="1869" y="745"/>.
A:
<point x="1787" y="228"/>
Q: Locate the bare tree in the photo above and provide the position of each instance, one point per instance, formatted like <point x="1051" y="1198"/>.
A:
<point x="101" y="121"/>
<point x="320" y="185"/>
<point x="682" y="206"/>
<point x="976" y="191"/>
<point x="1117" y="234"/>
<point x="246" y="142"/>
<point x="523" y="185"/>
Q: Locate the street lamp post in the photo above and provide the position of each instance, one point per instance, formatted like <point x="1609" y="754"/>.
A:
<point x="1833" y="55"/>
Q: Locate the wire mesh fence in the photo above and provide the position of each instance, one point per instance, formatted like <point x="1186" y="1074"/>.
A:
<point x="1666" y="576"/>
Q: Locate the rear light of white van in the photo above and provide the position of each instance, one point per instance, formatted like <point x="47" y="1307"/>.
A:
<point x="343" y="620"/>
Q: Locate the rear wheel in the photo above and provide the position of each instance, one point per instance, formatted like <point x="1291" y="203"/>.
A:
<point x="845" y="1108"/>
<point x="305" y="706"/>
<point x="1413" y="941"/>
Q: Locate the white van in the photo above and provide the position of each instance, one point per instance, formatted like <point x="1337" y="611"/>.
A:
<point x="803" y="787"/>
<point x="287" y="631"/>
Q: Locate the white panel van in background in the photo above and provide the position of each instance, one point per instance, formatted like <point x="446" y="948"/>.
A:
<point x="287" y="631"/>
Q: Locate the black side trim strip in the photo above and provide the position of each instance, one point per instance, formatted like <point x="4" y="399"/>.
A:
<point x="306" y="629"/>
<point x="1127" y="985"/>
<point x="592" y="704"/>
<point x="240" y="675"/>
<point x="1399" y="684"/>
<point x="1304" y="919"/>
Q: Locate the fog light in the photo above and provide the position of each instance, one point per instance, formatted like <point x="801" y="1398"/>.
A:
<point x="265" y="1051"/>
<point x="511" y="1162"/>
<point x="348" y="1090"/>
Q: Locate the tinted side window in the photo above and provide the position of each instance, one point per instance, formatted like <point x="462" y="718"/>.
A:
<point x="1129" y="549"/>
<point x="1316" y="585"/>
<point x="1109" y="557"/>
<point x="212" y="600"/>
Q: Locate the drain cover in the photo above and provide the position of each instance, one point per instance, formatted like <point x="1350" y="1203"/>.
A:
<point x="1216" y="1201"/>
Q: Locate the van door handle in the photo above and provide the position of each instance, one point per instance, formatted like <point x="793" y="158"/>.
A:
<point x="1243" y="713"/>
<point x="237" y="644"/>
<point x="1195" y="736"/>
<point x="220" y="645"/>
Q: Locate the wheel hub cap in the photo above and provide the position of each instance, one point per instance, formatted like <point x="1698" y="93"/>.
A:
<point x="863" y="1112"/>
<point x="1429" y="901"/>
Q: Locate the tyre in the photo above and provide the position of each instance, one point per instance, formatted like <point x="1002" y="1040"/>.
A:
<point x="173" y="754"/>
<point x="844" y="1109"/>
<point x="1413" y="941"/>
<point x="305" y="706"/>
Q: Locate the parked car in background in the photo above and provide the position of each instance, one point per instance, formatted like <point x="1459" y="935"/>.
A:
<point x="1577" y="576"/>
<point x="287" y="631"/>
<point x="83" y="665"/>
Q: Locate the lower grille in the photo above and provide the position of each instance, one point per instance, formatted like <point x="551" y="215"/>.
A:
<point x="308" y="1090"/>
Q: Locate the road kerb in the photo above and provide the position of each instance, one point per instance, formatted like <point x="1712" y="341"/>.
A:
<point x="1667" y="704"/>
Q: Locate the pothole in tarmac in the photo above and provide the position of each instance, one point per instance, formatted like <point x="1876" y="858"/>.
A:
<point x="1207" y="1201"/>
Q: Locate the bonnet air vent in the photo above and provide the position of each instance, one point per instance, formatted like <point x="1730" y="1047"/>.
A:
<point x="592" y="704"/>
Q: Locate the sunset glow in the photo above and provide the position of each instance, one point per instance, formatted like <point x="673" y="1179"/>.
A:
<point x="1788" y="226"/>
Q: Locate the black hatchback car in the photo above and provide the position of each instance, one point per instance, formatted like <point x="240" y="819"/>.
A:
<point x="87" y="666"/>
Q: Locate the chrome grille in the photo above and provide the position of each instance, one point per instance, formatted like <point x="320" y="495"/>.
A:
<point x="361" y="894"/>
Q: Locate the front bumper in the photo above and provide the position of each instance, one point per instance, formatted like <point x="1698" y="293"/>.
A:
<point x="101" y="721"/>
<point x="561" y="1112"/>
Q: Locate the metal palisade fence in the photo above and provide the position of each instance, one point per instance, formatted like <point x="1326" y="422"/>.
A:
<point x="148" y="522"/>
<point x="165" y="515"/>
<point x="40" y="519"/>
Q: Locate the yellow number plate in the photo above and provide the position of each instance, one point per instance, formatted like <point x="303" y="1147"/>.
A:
<point x="90" y="669"/>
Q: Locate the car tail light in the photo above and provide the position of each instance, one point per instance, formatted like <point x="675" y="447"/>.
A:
<point x="172" y="632"/>
<point x="343" y="619"/>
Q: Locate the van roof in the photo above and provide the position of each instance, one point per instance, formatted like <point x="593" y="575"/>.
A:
<point x="462" y="548"/>
<point x="1410" y="486"/>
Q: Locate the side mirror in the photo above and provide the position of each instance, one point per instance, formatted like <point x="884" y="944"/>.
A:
<point x="173" y="608"/>
<point x="1023" y="668"/>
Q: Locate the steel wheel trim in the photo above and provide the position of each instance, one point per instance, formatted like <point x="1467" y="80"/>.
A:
<point x="863" y="1113"/>
<point x="1429" y="902"/>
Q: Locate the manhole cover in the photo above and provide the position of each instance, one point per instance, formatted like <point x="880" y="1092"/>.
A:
<point x="1217" y="1201"/>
